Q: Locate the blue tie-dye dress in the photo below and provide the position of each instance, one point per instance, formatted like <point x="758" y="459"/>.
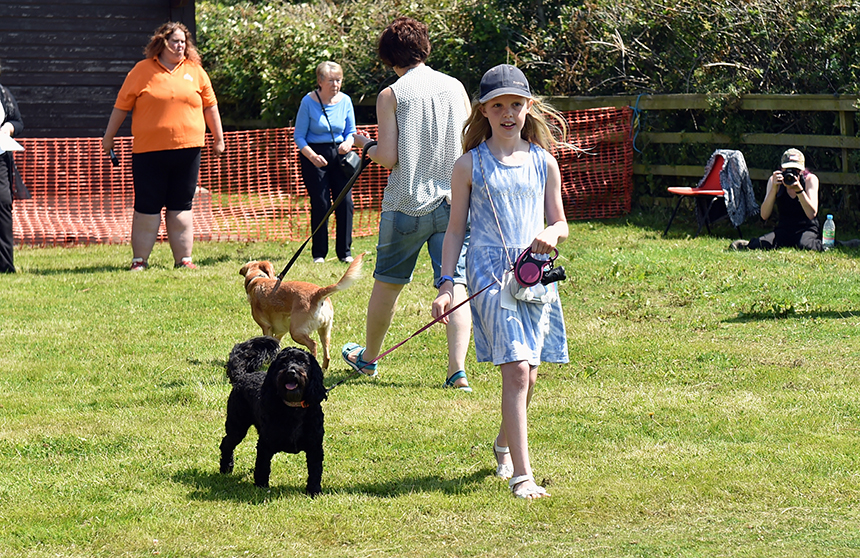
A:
<point x="534" y="332"/>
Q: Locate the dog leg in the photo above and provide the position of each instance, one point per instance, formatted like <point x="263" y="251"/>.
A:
<point x="265" y="326"/>
<point x="236" y="426"/>
<point x="314" y="458"/>
<point x="227" y="456"/>
<point x="303" y="338"/>
<point x="263" y="465"/>
<point x="325" y="338"/>
<point x="269" y="331"/>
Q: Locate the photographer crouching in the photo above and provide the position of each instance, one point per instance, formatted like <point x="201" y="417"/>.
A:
<point x="794" y="191"/>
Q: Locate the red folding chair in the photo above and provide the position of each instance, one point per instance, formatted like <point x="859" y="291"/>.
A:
<point x="707" y="193"/>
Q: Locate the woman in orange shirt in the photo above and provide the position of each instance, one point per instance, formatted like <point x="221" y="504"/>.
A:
<point x="173" y="102"/>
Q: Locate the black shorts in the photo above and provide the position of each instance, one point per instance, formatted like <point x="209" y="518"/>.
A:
<point x="165" y="179"/>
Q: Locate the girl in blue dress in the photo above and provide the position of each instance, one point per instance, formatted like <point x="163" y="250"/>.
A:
<point x="510" y="186"/>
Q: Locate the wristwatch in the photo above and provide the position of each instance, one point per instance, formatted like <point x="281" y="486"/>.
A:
<point x="442" y="280"/>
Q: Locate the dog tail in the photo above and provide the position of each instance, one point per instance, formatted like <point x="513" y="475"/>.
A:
<point x="250" y="356"/>
<point x="353" y="272"/>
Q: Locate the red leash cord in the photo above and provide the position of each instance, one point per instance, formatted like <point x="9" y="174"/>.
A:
<point x="425" y="328"/>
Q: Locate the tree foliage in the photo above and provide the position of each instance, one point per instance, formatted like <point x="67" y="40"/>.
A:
<point x="261" y="55"/>
<point x="755" y="46"/>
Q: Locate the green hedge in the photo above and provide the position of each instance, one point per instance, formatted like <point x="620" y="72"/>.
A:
<point x="262" y="55"/>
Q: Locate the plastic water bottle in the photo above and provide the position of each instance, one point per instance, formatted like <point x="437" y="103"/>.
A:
<point x="828" y="235"/>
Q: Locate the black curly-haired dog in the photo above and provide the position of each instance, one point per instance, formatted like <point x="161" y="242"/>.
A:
<point x="283" y="403"/>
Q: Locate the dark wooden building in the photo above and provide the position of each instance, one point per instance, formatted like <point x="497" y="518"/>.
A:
<point x="65" y="60"/>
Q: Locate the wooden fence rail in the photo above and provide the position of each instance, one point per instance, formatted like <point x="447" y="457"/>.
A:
<point x="844" y="105"/>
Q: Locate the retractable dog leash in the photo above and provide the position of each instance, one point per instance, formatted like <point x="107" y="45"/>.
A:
<point x="364" y="162"/>
<point x="529" y="271"/>
<point x="545" y="275"/>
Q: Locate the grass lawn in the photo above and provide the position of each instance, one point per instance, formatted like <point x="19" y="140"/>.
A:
<point x="711" y="408"/>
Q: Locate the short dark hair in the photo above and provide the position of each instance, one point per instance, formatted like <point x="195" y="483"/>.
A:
<point x="404" y="43"/>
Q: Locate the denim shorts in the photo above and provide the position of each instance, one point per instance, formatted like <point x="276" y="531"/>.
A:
<point x="401" y="237"/>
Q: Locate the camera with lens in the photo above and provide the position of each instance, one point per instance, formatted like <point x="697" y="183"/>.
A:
<point x="790" y="176"/>
<point x="553" y="275"/>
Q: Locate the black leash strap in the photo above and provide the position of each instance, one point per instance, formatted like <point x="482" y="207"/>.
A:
<point x="365" y="160"/>
<point x="397" y="346"/>
<point x="330" y="130"/>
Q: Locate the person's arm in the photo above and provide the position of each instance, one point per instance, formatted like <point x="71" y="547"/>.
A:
<point x="385" y="150"/>
<point x="349" y="129"/>
<point x="213" y="119"/>
<point x="300" y="130"/>
<point x="117" y="117"/>
<point x="300" y="134"/>
<point x="770" y="195"/>
<point x="14" y="124"/>
<point x="557" y="230"/>
<point x="455" y="235"/>
<point x="808" y="195"/>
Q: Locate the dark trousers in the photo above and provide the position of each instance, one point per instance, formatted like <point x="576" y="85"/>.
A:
<point x="6" y="238"/>
<point x="780" y="238"/>
<point x="324" y="185"/>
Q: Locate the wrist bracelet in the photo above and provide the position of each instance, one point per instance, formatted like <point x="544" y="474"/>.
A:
<point x="442" y="280"/>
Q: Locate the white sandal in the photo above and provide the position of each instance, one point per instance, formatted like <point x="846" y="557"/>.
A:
<point x="503" y="470"/>
<point x="528" y="493"/>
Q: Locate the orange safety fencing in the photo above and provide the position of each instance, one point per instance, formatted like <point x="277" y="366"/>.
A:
<point x="255" y="193"/>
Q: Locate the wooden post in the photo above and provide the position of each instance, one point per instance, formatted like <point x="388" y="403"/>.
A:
<point x="846" y="128"/>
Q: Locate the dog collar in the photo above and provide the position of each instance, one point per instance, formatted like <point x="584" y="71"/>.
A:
<point x="302" y="404"/>
<point x="258" y="276"/>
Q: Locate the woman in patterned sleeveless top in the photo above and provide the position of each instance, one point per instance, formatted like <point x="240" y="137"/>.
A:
<point x="421" y="119"/>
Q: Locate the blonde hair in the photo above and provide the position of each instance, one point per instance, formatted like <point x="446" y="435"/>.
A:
<point x="544" y="126"/>
<point x="159" y="40"/>
<point x="328" y="68"/>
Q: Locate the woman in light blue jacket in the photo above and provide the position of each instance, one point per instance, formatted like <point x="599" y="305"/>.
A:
<point x="324" y="132"/>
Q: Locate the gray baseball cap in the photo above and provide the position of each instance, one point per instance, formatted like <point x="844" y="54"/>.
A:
<point x="504" y="79"/>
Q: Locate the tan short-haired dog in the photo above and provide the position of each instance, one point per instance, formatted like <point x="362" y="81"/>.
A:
<point x="296" y="307"/>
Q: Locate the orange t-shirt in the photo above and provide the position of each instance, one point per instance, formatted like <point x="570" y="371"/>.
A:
<point x="168" y="106"/>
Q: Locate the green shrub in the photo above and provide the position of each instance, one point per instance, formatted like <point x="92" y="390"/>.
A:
<point x="262" y="55"/>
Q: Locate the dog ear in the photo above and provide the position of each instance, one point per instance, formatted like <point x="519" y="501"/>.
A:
<point x="267" y="268"/>
<point x="315" y="392"/>
<point x="244" y="271"/>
